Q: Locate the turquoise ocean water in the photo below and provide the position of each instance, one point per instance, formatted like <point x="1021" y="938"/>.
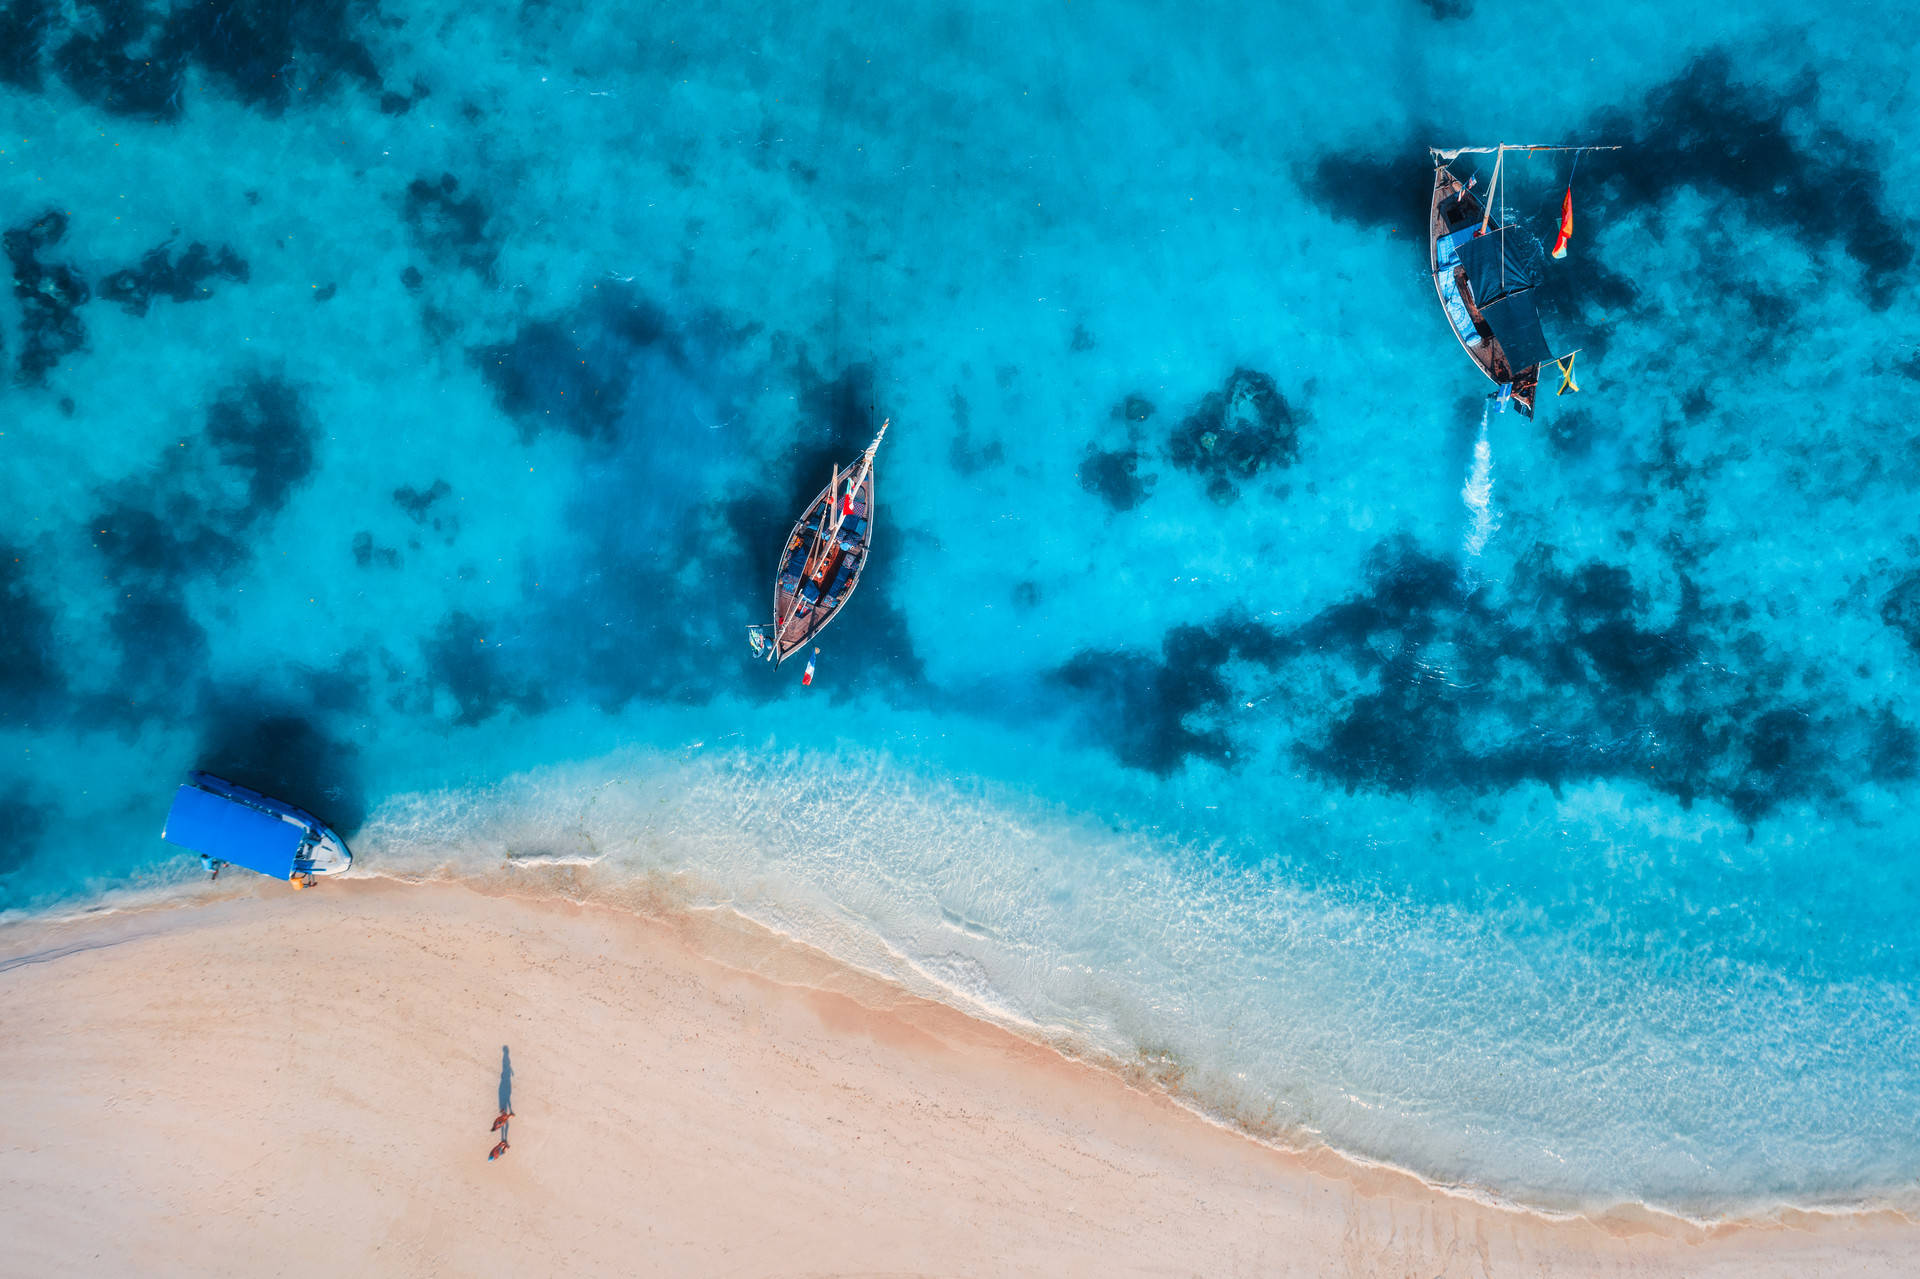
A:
<point x="404" y="403"/>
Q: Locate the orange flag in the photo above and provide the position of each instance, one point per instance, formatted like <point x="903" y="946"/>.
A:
<point x="1566" y="224"/>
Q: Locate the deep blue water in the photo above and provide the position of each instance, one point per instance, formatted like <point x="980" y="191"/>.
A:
<point x="404" y="404"/>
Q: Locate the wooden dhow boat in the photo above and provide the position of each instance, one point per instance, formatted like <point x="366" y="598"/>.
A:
<point x="1485" y="271"/>
<point x="822" y="560"/>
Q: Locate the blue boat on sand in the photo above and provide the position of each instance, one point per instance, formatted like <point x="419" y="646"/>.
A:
<point x="231" y="825"/>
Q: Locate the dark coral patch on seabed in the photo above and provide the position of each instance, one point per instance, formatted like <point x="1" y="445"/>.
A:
<point x="133" y="60"/>
<point x="1390" y="190"/>
<point x="963" y="455"/>
<point x="1156" y="714"/>
<point x="400" y="103"/>
<point x="30" y="676"/>
<point x="1564" y="678"/>
<point x="1113" y="475"/>
<point x="1236" y="434"/>
<point x="23" y="29"/>
<point x="345" y="687"/>
<point x="260" y="429"/>
<point x="365" y="552"/>
<point x="451" y="227"/>
<point x="1900" y="609"/>
<point x="50" y="296"/>
<point x="23" y="821"/>
<point x="424" y="508"/>
<point x="574" y="373"/>
<point x="251" y="738"/>
<point x="417" y="503"/>
<point x="475" y="671"/>
<point x="544" y="381"/>
<point x="184" y="280"/>
<point x="163" y="652"/>
<point x="191" y="518"/>
<point x="1707" y="130"/>
<point x="1569" y="682"/>
<point x="119" y="67"/>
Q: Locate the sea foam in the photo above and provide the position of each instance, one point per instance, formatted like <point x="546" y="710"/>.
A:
<point x="1483" y="520"/>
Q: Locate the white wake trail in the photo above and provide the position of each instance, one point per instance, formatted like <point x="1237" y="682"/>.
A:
<point x="1478" y="492"/>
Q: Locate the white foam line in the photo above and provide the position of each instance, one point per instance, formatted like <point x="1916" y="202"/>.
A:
<point x="1478" y="492"/>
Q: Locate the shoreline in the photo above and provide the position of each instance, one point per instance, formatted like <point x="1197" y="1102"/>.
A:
<point x="83" y="985"/>
<point x="712" y="932"/>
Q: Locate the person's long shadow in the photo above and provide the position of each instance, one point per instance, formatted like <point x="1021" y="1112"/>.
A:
<point x="506" y="1081"/>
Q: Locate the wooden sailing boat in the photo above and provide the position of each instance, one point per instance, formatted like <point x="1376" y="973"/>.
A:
<point x="822" y="560"/>
<point x="1485" y="276"/>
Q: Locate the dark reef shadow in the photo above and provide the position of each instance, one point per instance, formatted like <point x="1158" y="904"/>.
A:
<point x="286" y="755"/>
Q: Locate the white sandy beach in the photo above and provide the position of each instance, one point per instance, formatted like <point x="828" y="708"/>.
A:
<point x="282" y="1084"/>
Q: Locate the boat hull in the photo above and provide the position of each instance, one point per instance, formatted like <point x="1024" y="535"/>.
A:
<point x="1454" y="209"/>
<point x="829" y="567"/>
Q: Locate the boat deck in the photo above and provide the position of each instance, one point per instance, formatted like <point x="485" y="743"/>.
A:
<point x="819" y="568"/>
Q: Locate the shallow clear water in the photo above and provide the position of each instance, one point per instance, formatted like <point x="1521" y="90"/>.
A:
<point x="1525" y="804"/>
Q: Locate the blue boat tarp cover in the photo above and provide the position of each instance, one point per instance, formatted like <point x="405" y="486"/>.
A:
<point x="1497" y="264"/>
<point x="220" y="828"/>
<point x="1517" y="325"/>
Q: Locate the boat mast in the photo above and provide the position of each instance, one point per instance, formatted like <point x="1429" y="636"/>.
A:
<point x="1499" y="158"/>
<point x="866" y="469"/>
<point x="820" y="530"/>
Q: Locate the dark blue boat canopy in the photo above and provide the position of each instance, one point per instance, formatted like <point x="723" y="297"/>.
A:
<point x="1497" y="264"/>
<point x="1516" y="323"/>
<point x="232" y="832"/>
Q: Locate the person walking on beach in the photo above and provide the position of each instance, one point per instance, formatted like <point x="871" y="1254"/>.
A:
<point x="506" y="1105"/>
